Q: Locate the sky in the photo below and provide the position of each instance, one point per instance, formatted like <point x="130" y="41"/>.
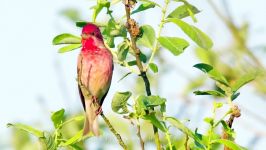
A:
<point x="36" y="80"/>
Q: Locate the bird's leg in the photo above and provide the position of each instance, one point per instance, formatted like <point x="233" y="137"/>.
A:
<point x="95" y="101"/>
<point x="99" y="110"/>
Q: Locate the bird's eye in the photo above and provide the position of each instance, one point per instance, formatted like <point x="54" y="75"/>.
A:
<point x="92" y="33"/>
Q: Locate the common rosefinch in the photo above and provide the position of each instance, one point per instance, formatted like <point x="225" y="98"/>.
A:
<point x="95" y="69"/>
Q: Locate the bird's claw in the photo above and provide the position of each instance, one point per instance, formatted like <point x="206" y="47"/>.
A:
<point x="94" y="100"/>
<point x="99" y="111"/>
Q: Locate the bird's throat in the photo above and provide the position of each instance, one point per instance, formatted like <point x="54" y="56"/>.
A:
<point x="91" y="44"/>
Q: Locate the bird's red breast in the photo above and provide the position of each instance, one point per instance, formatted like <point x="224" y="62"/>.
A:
<point x="96" y="66"/>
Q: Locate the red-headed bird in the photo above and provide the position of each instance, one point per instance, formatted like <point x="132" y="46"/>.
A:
<point x="95" y="69"/>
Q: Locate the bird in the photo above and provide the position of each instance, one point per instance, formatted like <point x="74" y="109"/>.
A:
<point x="94" y="71"/>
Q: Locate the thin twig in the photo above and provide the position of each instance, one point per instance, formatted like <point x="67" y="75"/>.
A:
<point x="156" y="47"/>
<point x="139" y="135"/>
<point x="186" y="143"/>
<point x="133" y="30"/>
<point x="118" y="137"/>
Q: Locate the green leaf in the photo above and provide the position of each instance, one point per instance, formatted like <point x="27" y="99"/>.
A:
<point x="143" y="7"/>
<point x="110" y="41"/>
<point x="140" y="107"/>
<point x="163" y="108"/>
<point x="48" y="142"/>
<point x="149" y="1"/>
<point x="194" y="33"/>
<point x="119" y="102"/>
<point x="124" y="76"/>
<point x="235" y="95"/>
<point x="243" y="80"/>
<point x="27" y="128"/>
<point x="76" y="118"/>
<point x="175" y="45"/>
<point x="148" y="36"/>
<point x="151" y="101"/>
<point x="212" y="73"/>
<point x="66" y="38"/>
<point x="143" y="57"/>
<point x="76" y="147"/>
<point x="209" y="120"/>
<point x="57" y="117"/>
<point x="232" y="145"/>
<point x="74" y="139"/>
<point x="152" y="118"/>
<point x="113" y="30"/>
<point x="180" y="126"/>
<point x="81" y="23"/>
<point x="68" y="48"/>
<point x="123" y="49"/>
<point x="199" y="137"/>
<point x="185" y="130"/>
<point x="183" y="11"/>
<point x="132" y="63"/>
<point x="223" y="88"/>
<point x="227" y="129"/>
<point x="143" y="103"/>
<point x="153" y="67"/>
<point x="214" y="93"/>
<point x="98" y="8"/>
<point x="217" y="105"/>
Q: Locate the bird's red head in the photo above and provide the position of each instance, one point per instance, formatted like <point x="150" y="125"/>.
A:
<point x="91" y="30"/>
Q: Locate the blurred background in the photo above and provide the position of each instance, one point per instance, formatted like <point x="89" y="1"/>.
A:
<point x="35" y="80"/>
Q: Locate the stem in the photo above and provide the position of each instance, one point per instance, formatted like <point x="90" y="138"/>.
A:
<point x="209" y="146"/>
<point x="156" y="47"/>
<point x="218" y="122"/>
<point x="118" y="137"/>
<point x="186" y="143"/>
<point x="168" y="140"/>
<point x="139" y="135"/>
<point x="131" y="25"/>
<point x="167" y="135"/>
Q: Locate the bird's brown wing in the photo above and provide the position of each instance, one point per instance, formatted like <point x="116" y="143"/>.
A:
<point x="81" y="98"/>
<point x="78" y="79"/>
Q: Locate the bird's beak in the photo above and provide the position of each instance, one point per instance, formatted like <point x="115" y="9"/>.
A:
<point x="85" y="36"/>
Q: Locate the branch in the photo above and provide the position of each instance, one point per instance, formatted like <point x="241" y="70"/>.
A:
<point x="235" y="114"/>
<point x="134" y="31"/>
<point x="118" y="137"/>
<point x="139" y="135"/>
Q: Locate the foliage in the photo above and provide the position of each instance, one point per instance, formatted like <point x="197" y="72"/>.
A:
<point x="151" y="108"/>
<point x="56" y="138"/>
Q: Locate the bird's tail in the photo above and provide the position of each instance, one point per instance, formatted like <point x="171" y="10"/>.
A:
<point x="91" y="123"/>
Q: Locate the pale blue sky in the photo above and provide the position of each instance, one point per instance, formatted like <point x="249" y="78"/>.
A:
<point x="31" y="70"/>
